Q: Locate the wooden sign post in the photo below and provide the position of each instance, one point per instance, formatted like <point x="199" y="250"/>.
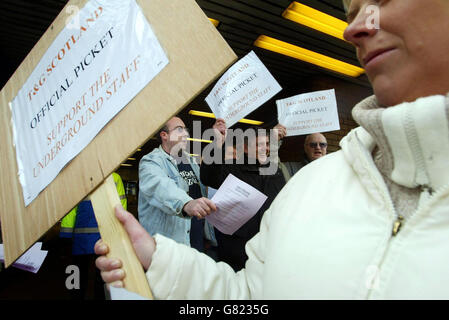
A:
<point x="104" y="199"/>
<point x="197" y="55"/>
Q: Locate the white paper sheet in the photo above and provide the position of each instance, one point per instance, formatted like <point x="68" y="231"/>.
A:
<point x="31" y="260"/>
<point x="236" y="202"/>
<point x="123" y="294"/>
<point x="309" y="113"/>
<point x="242" y="89"/>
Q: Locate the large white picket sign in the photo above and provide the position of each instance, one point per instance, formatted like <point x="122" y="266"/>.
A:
<point x="94" y="67"/>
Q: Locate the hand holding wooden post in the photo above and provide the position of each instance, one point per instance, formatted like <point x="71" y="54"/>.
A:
<point x="104" y="200"/>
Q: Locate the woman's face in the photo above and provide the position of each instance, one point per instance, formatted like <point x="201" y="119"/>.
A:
<point x="408" y="56"/>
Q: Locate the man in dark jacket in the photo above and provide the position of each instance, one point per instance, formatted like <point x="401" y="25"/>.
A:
<point x="231" y="248"/>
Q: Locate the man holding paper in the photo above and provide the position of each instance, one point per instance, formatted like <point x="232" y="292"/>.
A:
<point x="171" y="200"/>
<point x="231" y="247"/>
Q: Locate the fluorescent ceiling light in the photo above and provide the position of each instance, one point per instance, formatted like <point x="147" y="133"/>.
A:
<point x="309" y="56"/>
<point x="211" y="115"/>
<point x="315" y="19"/>
<point x="199" y="140"/>
<point x="214" y="22"/>
<point x="126" y="165"/>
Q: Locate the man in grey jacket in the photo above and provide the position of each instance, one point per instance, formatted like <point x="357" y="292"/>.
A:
<point x="171" y="200"/>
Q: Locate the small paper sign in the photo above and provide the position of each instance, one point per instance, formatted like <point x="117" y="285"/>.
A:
<point x="309" y="113"/>
<point x="242" y="89"/>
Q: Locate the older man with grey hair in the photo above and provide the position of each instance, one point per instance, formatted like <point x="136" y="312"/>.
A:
<point x="315" y="147"/>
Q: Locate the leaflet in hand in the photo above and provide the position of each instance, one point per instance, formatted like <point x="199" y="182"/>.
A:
<point x="236" y="202"/>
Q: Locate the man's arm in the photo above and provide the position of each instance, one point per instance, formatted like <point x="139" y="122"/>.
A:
<point x="212" y="174"/>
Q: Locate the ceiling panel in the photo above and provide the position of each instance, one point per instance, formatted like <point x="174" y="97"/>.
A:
<point x="23" y="22"/>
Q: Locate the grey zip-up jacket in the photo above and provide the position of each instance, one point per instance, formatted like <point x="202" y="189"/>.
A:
<point x="162" y="195"/>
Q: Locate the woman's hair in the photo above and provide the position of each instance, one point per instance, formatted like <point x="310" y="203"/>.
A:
<point x="346" y="4"/>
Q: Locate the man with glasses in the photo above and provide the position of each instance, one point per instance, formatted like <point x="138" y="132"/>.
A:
<point x="171" y="196"/>
<point x="315" y="146"/>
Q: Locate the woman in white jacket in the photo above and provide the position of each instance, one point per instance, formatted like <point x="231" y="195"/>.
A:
<point x="368" y="222"/>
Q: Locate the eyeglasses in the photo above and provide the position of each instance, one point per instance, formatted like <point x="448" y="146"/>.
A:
<point x="315" y="144"/>
<point x="179" y="129"/>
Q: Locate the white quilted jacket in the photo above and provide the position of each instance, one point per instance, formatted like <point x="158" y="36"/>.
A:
<point x="328" y="234"/>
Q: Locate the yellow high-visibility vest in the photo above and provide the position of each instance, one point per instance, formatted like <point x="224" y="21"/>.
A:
<point x="68" y="222"/>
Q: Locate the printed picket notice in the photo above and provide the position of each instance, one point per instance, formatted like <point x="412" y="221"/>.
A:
<point x="101" y="60"/>
<point x="309" y="113"/>
<point x="237" y="202"/>
<point x="242" y="89"/>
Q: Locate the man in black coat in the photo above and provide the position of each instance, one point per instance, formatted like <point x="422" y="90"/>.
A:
<point x="248" y="167"/>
